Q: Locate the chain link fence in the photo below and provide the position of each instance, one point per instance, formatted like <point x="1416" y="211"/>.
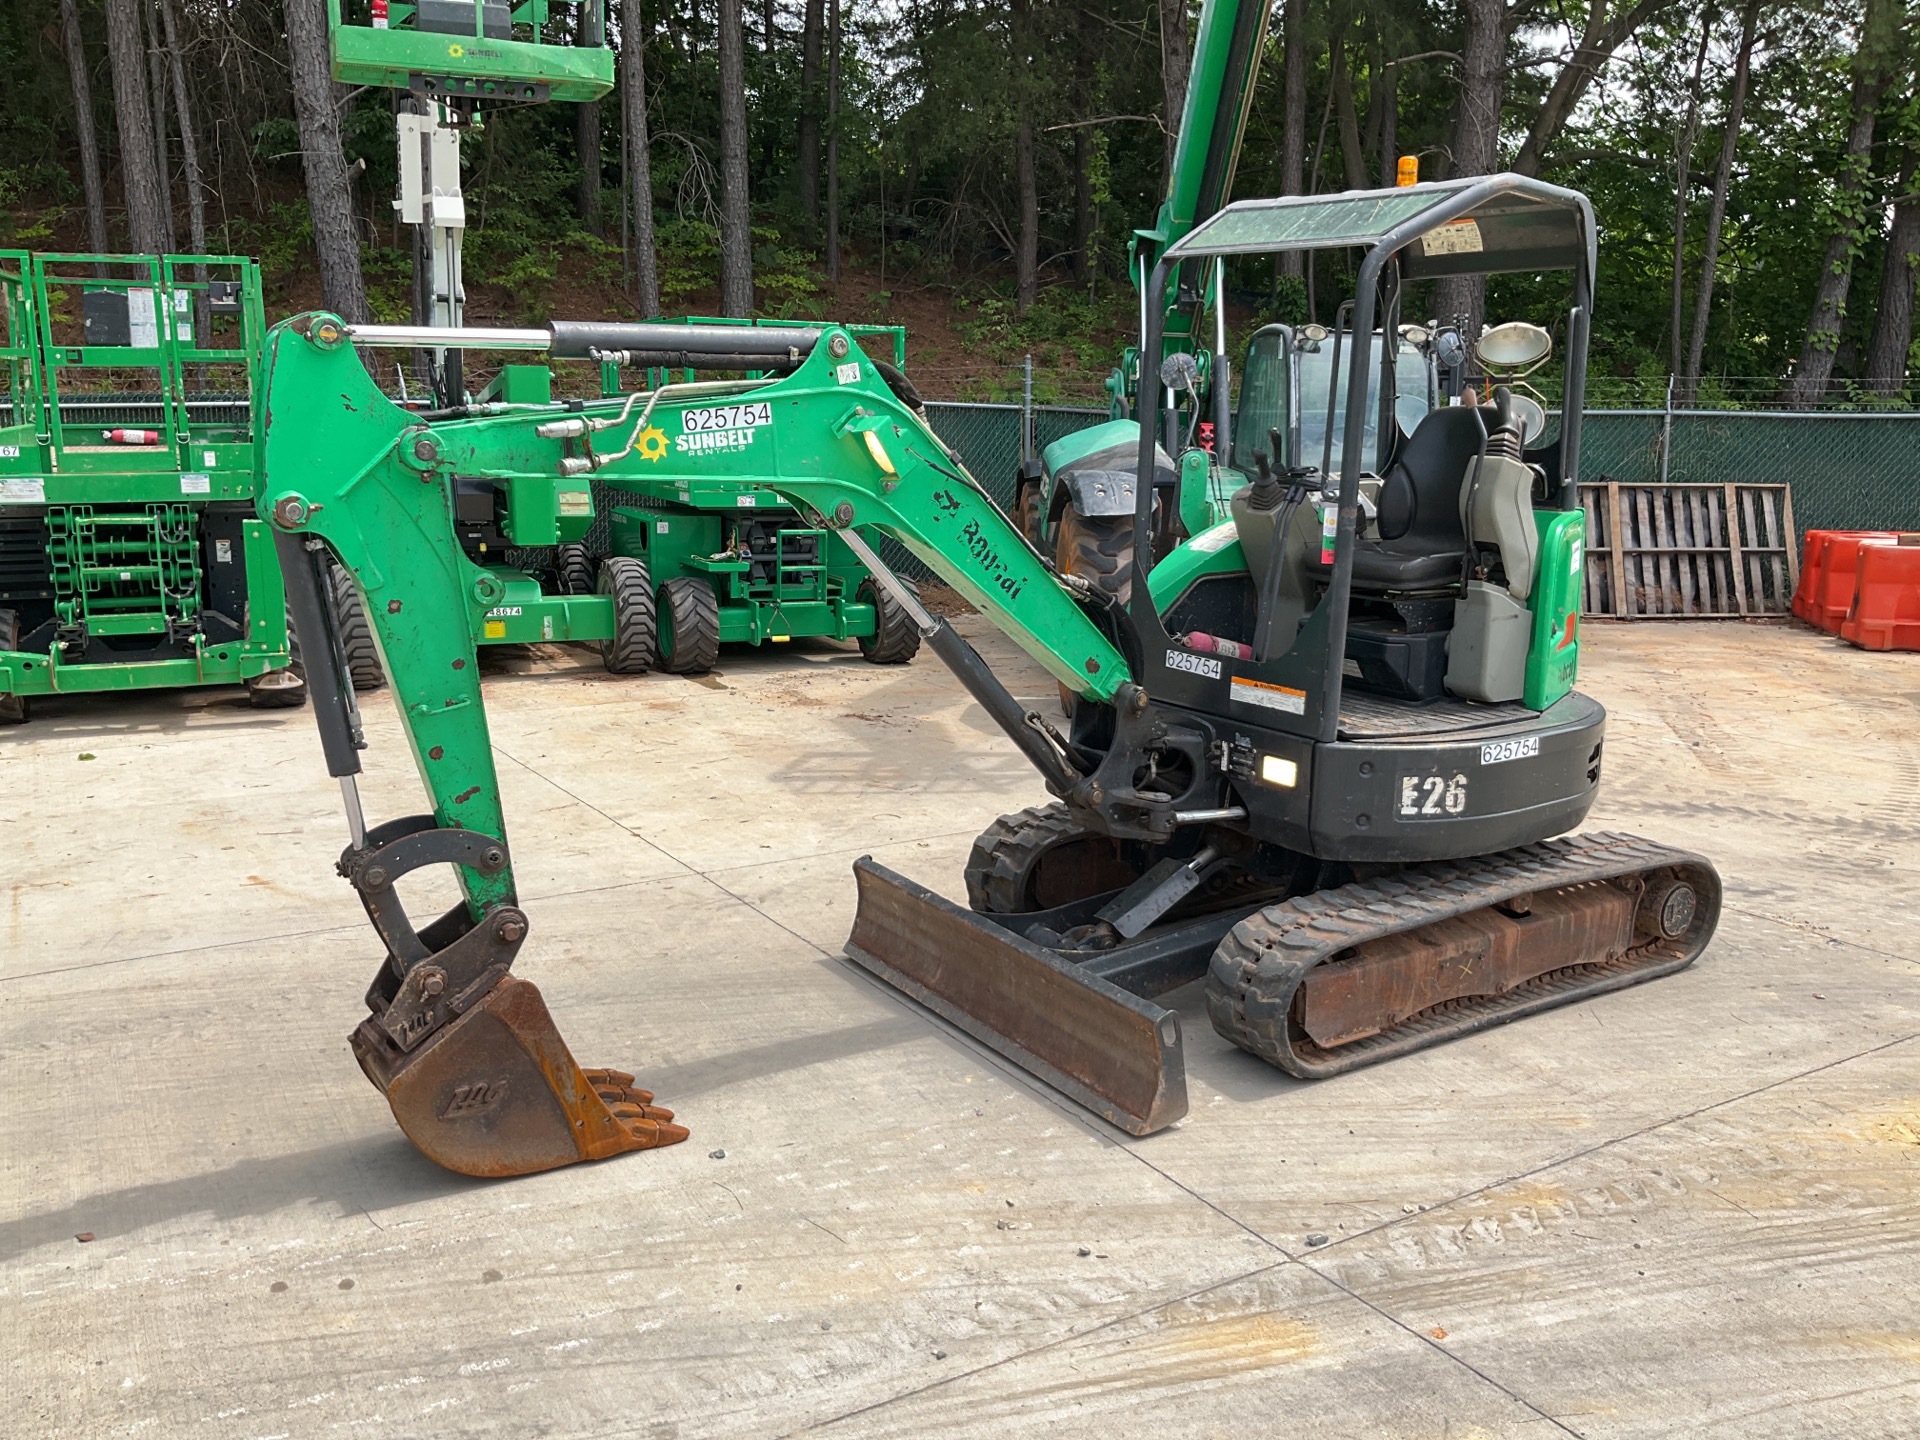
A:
<point x="1847" y="471"/>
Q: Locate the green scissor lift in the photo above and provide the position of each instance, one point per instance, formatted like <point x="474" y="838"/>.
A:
<point x="130" y="554"/>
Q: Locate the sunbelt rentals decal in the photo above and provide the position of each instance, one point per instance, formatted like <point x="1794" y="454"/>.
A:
<point x="705" y="429"/>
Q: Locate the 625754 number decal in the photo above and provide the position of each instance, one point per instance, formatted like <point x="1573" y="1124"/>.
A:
<point x="726" y="417"/>
<point x="1432" y="796"/>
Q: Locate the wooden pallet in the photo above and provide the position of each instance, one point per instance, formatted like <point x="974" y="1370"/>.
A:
<point x="1689" y="551"/>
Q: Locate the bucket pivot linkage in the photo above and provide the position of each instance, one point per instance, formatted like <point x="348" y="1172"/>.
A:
<point x="467" y="1055"/>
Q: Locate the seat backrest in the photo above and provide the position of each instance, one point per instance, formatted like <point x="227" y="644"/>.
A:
<point x="1419" y="497"/>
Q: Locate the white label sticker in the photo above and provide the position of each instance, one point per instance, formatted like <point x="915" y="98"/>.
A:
<point x="23" y="492"/>
<point x="1269" y="697"/>
<point x="1212" y="542"/>
<point x="1457" y="237"/>
<point x="745" y="502"/>
<point x="847" y="374"/>
<point x="223" y="552"/>
<point x="209" y="459"/>
<point x="1498" y="752"/>
<point x="196" y="484"/>
<point x="1432" y="796"/>
<point x="660" y="527"/>
<point x="143" y="320"/>
<point x="9" y="452"/>
<point x="576" y="502"/>
<point x="183" y="333"/>
<point x="1194" y="664"/>
<point x="1573" y="560"/>
<point x="501" y="612"/>
<point x="726" y="417"/>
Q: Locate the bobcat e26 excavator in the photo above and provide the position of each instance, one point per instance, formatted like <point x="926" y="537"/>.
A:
<point x="1316" y="758"/>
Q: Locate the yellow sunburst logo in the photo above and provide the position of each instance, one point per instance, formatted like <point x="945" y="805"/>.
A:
<point x="456" y="51"/>
<point x="652" y="443"/>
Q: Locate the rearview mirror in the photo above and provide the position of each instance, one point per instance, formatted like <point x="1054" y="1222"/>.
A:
<point x="1528" y="416"/>
<point x="1180" y="371"/>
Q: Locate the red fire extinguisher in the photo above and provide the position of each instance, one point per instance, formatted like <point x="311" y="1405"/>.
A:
<point x="379" y="14"/>
<point x="131" y="437"/>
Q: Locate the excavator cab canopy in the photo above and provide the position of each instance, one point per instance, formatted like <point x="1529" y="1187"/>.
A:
<point x="1484" y="225"/>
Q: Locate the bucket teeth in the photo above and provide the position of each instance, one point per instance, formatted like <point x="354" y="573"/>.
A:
<point x="496" y="1092"/>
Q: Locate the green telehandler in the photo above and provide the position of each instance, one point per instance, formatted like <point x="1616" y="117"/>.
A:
<point x="1318" y="756"/>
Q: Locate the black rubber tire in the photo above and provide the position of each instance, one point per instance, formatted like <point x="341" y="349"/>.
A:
<point x="1099" y="547"/>
<point x="356" y="635"/>
<point x="574" y="568"/>
<point x="277" y="697"/>
<point x="631" y="650"/>
<point x="896" y="636"/>
<point x="1027" y="512"/>
<point x="689" y="626"/>
<point x="13" y="708"/>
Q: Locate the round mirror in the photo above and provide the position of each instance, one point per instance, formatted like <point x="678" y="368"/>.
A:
<point x="1180" y="371"/>
<point x="1513" y="346"/>
<point x="1448" y="348"/>
<point x="1313" y="334"/>
<point x="1529" y="417"/>
<point x="1414" y="334"/>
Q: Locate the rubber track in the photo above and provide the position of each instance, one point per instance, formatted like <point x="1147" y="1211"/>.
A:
<point x="1262" y="962"/>
<point x="692" y="613"/>
<point x="1001" y="858"/>
<point x="895" y="639"/>
<point x="356" y="635"/>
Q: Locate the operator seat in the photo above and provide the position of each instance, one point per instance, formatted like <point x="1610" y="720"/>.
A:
<point x="1421" y="544"/>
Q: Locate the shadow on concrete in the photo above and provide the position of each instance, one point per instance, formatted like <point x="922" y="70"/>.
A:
<point x="382" y="1172"/>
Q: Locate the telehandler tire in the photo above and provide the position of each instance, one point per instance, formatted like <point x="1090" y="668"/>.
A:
<point x="13" y="708"/>
<point x="689" y="626"/>
<point x="356" y="635"/>
<point x="1099" y="547"/>
<point x="631" y="650"/>
<point x="896" y="638"/>
<point x="573" y="567"/>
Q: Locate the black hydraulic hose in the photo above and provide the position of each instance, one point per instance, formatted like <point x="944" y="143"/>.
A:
<point x="304" y="572"/>
<point x="1005" y="711"/>
<point x="904" y="389"/>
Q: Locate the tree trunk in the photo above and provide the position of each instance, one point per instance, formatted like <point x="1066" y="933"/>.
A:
<point x="126" y="54"/>
<point x="1027" y="261"/>
<point x="1683" y="164"/>
<point x="1176" y="59"/>
<point x="1293" y="128"/>
<point x="767" y="24"/>
<point x="1879" y="42"/>
<point x="809" y="156"/>
<point x="1476" y="144"/>
<point x="1603" y="34"/>
<point x="1886" y="365"/>
<point x="833" y="142"/>
<point x="157" y="68"/>
<point x="736" y="220"/>
<point x="189" y="144"/>
<point x="336" y="243"/>
<point x="1353" y="162"/>
<point x="1717" y="211"/>
<point x="586" y="136"/>
<point x="84" y="134"/>
<point x="1083" y="204"/>
<point x="633" y="116"/>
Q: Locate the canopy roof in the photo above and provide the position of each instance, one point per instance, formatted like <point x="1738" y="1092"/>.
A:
<point x="1484" y="224"/>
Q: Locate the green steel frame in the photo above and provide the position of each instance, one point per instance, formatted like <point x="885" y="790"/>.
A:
<point x="134" y="565"/>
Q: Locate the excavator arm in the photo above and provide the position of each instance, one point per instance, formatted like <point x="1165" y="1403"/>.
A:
<point x="466" y="1054"/>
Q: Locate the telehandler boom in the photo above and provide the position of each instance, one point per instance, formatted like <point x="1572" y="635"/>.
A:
<point x="1317" y="758"/>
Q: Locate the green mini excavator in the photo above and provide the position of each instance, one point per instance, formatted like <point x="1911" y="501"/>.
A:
<point x="1317" y="760"/>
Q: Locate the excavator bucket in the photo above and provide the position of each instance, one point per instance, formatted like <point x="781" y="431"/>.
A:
<point x="1116" y="1053"/>
<point x="496" y="1092"/>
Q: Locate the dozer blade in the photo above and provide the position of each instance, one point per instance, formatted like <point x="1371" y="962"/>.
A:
<point x="1114" y="1052"/>
<point x="496" y="1092"/>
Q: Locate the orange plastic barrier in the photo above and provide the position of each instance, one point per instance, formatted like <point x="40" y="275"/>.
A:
<point x="1839" y="572"/>
<point x="1886" y="608"/>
